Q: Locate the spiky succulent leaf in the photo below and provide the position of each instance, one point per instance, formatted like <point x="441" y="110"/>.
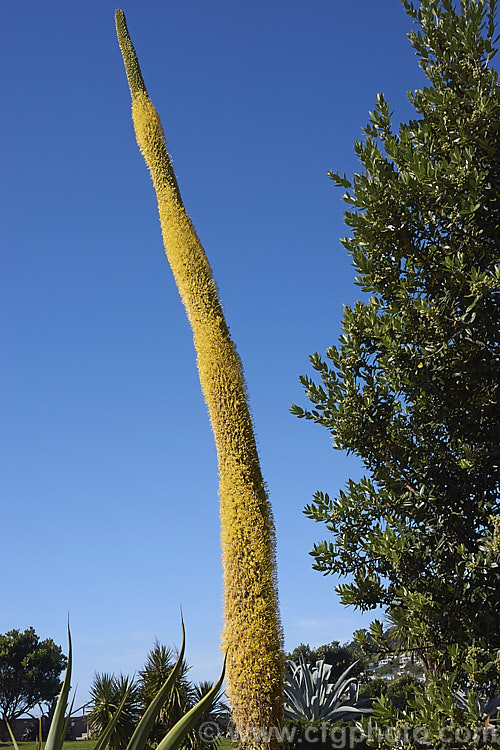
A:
<point x="343" y="677"/>
<point x="143" y="730"/>
<point x="57" y="729"/>
<point x="178" y="732"/>
<point x="103" y="739"/>
<point x="311" y="696"/>
<point x="487" y="708"/>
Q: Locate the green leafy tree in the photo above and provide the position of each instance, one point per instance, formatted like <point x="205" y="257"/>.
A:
<point x="374" y="688"/>
<point x="29" y="672"/>
<point x="412" y="388"/>
<point x="339" y="657"/>
<point x="400" y="691"/>
<point x="106" y="693"/>
<point x="304" y="651"/>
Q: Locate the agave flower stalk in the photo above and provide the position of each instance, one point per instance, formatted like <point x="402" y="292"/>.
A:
<point x="252" y="629"/>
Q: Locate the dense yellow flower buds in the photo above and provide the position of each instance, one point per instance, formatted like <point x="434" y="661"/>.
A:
<point x="252" y="627"/>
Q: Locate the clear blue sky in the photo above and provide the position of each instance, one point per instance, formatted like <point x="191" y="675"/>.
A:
<point x="109" y="474"/>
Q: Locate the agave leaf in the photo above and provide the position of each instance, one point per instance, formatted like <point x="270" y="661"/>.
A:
<point x="310" y="695"/>
<point x="323" y="670"/>
<point x="342" y="688"/>
<point x="346" y="712"/>
<point x="103" y="739"/>
<point x="65" y="728"/>
<point x="344" y="674"/>
<point x="362" y="702"/>
<point x="353" y="710"/>
<point x="178" y="732"/>
<point x="354" y="692"/>
<point x="55" y="738"/>
<point x="296" y="705"/>
<point x="143" y="729"/>
<point x="16" y="746"/>
<point x="295" y="693"/>
<point x="461" y="698"/>
<point x="492" y="706"/>
<point x="307" y="676"/>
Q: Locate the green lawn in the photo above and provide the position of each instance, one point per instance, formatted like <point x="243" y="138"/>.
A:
<point x="80" y="745"/>
<point x="223" y="744"/>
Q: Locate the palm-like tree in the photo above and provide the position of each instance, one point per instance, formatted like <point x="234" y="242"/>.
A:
<point x="160" y="661"/>
<point x="218" y="713"/>
<point x="107" y="692"/>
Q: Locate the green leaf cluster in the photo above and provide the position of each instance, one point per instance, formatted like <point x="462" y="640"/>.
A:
<point x="435" y="715"/>
<point x="412" y="388"/>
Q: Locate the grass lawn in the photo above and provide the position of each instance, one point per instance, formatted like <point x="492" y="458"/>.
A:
<point x="80" y="745"/>
<point x="224" y="744"/>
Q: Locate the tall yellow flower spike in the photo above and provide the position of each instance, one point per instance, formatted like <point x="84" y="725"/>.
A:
<point x="252" y="626"/>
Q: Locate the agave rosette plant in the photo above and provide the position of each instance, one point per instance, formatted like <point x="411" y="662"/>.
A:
<point x="486" y="709"/>
<point x="310" y="694"/>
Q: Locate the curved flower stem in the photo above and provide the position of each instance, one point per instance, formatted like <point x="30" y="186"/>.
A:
<point x="252" y="624"/>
